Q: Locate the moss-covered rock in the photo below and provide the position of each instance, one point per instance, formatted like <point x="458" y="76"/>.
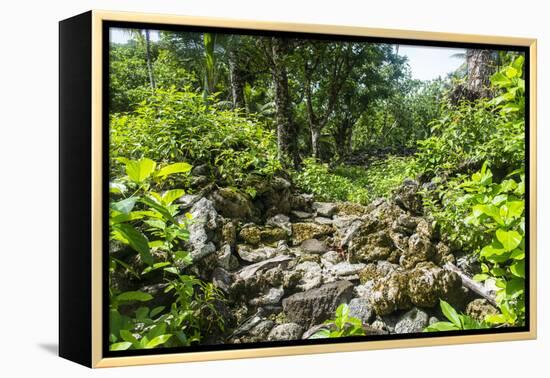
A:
<point x="392" y="288"/>
<point x="304" y="231"/>
<point x="229" y="234"/>
<point x="255" y="235"/>
<point x="408" y="198"/>
<point x="251" y="235"/>
<point x="428" y="283"/>
<point x="376" y="271"/>
<point x="389" y="293"/>
<point x="233" y="204"/>
<point x="350" y="208"/>
<point x="480" y="308"/>
<point x="370" y="247"/>
<point x="419" y="249"/>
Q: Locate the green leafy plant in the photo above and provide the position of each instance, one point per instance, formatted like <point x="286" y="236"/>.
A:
<point x="475" y="132"/>
<point x="342" y="325"/>
<point x="354" y="183"/>
<point x="500" y="210"/>
<point x="147" y="221"/>
<point x="139" y="331"/>
<point x="456" y="321"/>
<point x="179" y="126"/>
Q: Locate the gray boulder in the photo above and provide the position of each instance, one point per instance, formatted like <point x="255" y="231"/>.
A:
<point x="233" y="203"/>
<point x="203" y="229"/>
<point x="317" y="305"/>
<point x="313" y="246"/>
<point x="345" y="268"/>
<point x="272" y="297"/>
<point x="325" y="209"/>
<point x="310" y="275"/>
<point x="360" y="308"/>
<point x="323" y="220"/>
<point x="281" y="221"/>
<point x="412" y="321"/>
<point x="255" y="255"/>
<point x="286" y="331"/>
<point x="226" y="259"/>
<point x="222" y="279"/>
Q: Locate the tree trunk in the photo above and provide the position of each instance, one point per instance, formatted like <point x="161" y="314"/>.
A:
<point x="343" y="137"/>
<point x="286" y="133"/>
<point x="479" y="72"/>
<point x="237" y="80"/>
<point x="148" y="58"/>
<point x="315" y="139"/>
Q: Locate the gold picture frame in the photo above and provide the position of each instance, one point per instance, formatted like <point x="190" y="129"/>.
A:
<point x="93" y="28"/>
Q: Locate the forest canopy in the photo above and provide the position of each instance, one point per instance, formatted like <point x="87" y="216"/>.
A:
<point x="324" y="159"/>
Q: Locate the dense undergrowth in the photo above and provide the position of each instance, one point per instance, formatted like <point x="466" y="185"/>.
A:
<point x="470" y="161"/>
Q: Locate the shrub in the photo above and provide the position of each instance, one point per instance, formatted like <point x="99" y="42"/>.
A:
<point x="342" y="325"/>
<point x="354" y="183"/>
<point x="457" y="322"/>
<point x="180" y="126"/>
<point x="316" y="178"/>
<point x="485" y="130"/>
<point x="382" y="176"/>
<point x="148" y="223"/>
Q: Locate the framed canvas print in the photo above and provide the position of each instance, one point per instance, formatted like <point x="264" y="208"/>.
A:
<point x="235" y="189"/>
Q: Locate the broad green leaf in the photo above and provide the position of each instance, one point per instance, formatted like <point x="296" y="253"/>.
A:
<point x="450" y="313"/>
<point x="495" y="319"/>
<point x="173" y="169"/>
<point x="508" y="185"/>
<point x="510" y="72"/>
<point x="159" y="340"/>
<point x="142" y="312"/>
<point x="322" y="334"/>
<point x="156" y="331"/>
<point x="172" y="269"/>
<point x="515" y="208"/>
<point x="136" y="240"/>
<point x="156" y="311"/>
<point x="480" y="277"/>
<point x="494" y="254"/>
<point x="469" y="323"/>
<point x="489" y="210"/>
<point x="155" y="223"/>
<point x="500" y="80"/>
<point x="124" y="206"/>
<point x="499" y="199"/>
<point x="116" y="217"/>
<point x="160" y="208"/>
<point x="510" y="240"/>
<point x="441" y="326"/>
<point x="517" y="254"/>
<point x="171" y="195"/>
<point x="140" y="170"/>
<point x="183" y="257"/>
<point x="129" y="337"/>
<point x="515" y="286"/>
<point x="124" y="345"/>
<point x="156" y="244"/>
<point x="115" y="323"/>
<point x="155" y="267"/>
<point x="134" y="296"/>
<point x="518" y="269"/>
<point x="518" y="63"/>
<point x="342" y="311"/>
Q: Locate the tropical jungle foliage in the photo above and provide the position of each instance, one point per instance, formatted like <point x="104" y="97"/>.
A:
<point x="343" y="122"/>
